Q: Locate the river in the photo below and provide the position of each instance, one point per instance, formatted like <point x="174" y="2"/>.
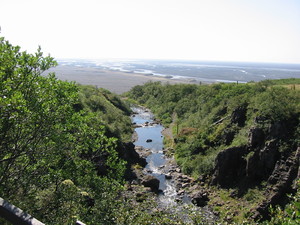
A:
<point x="150" y="138"/>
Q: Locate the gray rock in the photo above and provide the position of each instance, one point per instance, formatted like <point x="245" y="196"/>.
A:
<point x="199" y="198"/>
<point x="230" y="166"/>
<point x="150" y="181"/>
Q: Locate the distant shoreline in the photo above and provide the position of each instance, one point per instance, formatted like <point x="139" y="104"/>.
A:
<point x="121" y="76"/>
<point x="115" y="81"/>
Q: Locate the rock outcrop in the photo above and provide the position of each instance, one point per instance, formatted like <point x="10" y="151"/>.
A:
<point x="239" y="116"/>
<point x="264" y="158"/>
<point x="128" y="153"/>
<point x="230" y="166"/>
<point x="280" y="183"/>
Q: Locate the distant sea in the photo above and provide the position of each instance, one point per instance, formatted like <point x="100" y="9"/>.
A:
<point x="194" y="71"/>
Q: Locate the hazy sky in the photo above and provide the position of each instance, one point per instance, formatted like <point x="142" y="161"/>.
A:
<point x="231" y="30"/>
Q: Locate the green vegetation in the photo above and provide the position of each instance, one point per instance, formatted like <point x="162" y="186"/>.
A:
<point x="108" y="109"/>
<point x="207" y="119"/>
<point x="210" y="118"/>
<point x="59" y="144"/>
<point x="58" y="157"/>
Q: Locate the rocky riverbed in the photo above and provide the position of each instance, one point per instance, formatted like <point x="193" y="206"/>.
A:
<point x="174" y="190"/>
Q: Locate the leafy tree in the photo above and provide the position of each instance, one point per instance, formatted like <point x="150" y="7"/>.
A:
<point x="51" y="150"/>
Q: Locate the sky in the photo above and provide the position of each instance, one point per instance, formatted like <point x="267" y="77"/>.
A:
<point x="214" y="30"/>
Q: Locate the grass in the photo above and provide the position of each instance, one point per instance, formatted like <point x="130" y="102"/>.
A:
<point x="234" y="210"/>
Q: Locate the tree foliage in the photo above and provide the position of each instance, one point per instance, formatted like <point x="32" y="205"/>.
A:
<point x="57" y="160"/>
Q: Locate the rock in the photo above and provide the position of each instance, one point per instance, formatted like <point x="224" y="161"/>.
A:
<point x="228" y="218"/>
<point x="185" y="185"/>
<point x="134" y="182"/>
<point x="136" y="125"/>
<point x="268" y="156"/>
<point x="276" y="130"/>
<point x="199" y="198"/>
<point x="262" y="162"/>
<point x="143" y="152"/>
<point x="230" y="166"/>
<point x="130" y="154"/>
<point x="194" y="188"/>
<point x="239" y="116"/>
<point x="178" y="199"/>
<point x="150" y="181"/>
<point x="281" y="183"/>
<point x="181" y="192"/>
<point x="256" y="137"/>
<point x="168" y="176"/>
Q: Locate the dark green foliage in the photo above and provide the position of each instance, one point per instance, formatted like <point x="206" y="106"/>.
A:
<point x="281" y="82"/>
<point x="220" y="115"/>
<point x="57" y="161"/>
<point x="277" y="104"/>
<point x="59" y="143"/>
<point x="109" y="110"/>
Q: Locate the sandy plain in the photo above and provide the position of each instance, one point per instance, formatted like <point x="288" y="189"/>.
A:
<point x="115" y="81"/>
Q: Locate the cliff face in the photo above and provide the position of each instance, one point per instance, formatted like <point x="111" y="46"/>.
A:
<point x="264" y="158"/>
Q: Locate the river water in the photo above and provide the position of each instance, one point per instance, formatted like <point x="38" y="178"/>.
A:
<point x="156" y="161"/>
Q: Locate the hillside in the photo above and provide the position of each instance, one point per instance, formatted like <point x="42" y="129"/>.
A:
<point x="65" y="149"/>
<point x="242" y="140"/>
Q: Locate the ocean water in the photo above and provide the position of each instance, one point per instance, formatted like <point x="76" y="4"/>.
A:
<point x="196" y="71"/>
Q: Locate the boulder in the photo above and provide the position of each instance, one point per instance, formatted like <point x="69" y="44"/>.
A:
<point x="168" y="176"/>
<point x="150" y="181"/>
<point x="199" y="198"/>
